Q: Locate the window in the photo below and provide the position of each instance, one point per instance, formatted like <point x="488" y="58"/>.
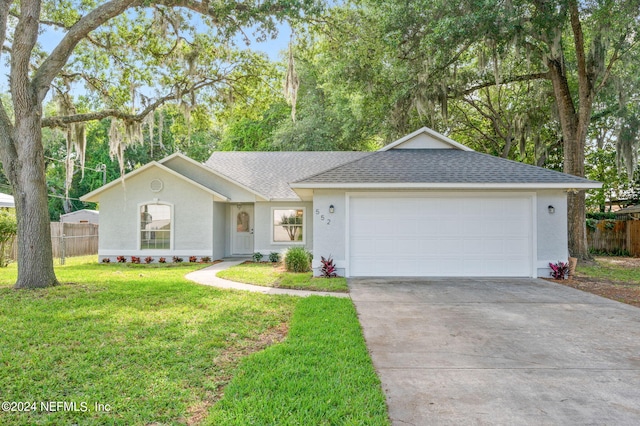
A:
<point x="288" y="225"/>
<point x="155" y="226"/>
<point x="242" y="222"/>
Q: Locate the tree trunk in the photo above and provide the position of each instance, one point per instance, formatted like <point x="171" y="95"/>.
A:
<point x="27" y="176"/>
<point x="574" y="132"/>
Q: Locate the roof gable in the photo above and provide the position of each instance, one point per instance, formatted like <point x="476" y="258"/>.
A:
<point x="94" y="195"/>
<point x="425" y="138"/>
<point x="211" y="178"/>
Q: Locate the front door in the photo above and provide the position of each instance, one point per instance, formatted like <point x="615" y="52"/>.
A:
<point x="242" y="222"/>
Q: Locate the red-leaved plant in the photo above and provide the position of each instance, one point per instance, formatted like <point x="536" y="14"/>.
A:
<point x="135" y="259"/>
<point x="559" y="270"/>
<point x="328" y="269"/>
<point x="121" y="259"/>
<point x="193" y="259"/>
<point x="177" y="259"/>
<point x="205" y="259"/>
<point x="148" y="259"/>
<point x="162" y="260"/>
<point x="106" y="260"/>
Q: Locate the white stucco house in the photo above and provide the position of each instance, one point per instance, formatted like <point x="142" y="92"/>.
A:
<point x="423" y="205"/>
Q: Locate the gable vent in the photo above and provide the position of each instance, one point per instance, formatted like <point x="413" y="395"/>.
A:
<point x="156" y="185"/>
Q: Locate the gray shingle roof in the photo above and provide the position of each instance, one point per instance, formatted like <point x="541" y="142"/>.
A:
<point x="269" y="173"/>
<point x="439" y="166"/>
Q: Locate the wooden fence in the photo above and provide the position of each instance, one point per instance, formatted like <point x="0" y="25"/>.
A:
<point x="614" y="236"/>
<point x="70" y="239"/>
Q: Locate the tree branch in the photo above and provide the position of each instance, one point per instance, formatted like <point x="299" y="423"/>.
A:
<point x="4" y="15"/>
<point x="63" y="121"/>
<point x="61" y="53"/>
<point x="24" y="40"/>
<point x="513" y="79"/>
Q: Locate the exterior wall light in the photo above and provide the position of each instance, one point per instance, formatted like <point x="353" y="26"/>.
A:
<point x="552" y="209"/>
<point x="332" y="209"/>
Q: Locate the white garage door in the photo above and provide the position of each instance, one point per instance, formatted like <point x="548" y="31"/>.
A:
<point x="473" y="235"/>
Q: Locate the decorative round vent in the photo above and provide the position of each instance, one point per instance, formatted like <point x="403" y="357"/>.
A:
<point x="156" y="185"/>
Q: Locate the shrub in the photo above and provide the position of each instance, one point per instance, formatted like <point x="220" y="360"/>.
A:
<point x="274" y="257"/>
<point x="8" y="230"/>
<point x="148" y="259"/>
<point x="601" y="215"/>
<point x="328" y="269"/>
<point x="559" y="270"/>
<point x="106" y="260"/>
<point x="121" y="259"/>
<point x="162" y="260"/>
<point x="177" y="259"/>
<point x="135" y="259"/>
<point x="193" y="259"/>
<point x="257" y="256"/>
<point x="205" y="259"/>
<point x="297" y="259"/>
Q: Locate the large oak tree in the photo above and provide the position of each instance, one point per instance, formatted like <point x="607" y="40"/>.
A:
<point x="132" y="56"/>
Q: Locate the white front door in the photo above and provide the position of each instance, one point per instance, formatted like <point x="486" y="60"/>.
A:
<point x="242" y="223"/>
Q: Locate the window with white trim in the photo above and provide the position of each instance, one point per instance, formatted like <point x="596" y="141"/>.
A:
<point x="155" y="227"/>
<point x="288" y="225"/>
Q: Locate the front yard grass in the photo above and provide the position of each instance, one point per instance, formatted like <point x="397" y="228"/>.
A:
<point x="155" y="348"/>
<point x="321" y="374"/>
<point x="612" y="268"/>
<point x="270" y="275"/>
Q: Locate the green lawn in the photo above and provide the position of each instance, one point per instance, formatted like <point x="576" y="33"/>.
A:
<point x="152" y="347"/>
<point x="269" y="275"/>
<point x="609" y="268"/>
<point x="320" y="375"/>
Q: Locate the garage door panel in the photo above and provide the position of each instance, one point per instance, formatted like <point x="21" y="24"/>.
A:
<point x="485" y="246"/>
<point x="409" y="247"/>
<point x="440" y="236"/>
<point x="448" y="246"/>
<point x="363" y="246"/>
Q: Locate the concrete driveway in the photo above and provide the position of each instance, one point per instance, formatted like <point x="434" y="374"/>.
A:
<point x="500" y="351"/>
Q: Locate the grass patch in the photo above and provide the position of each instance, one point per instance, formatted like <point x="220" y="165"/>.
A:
<point x="610" y="269"/>
<point x="320" y="375"/>
<point x="141" y="338"/>
<point x="268" y="275"/>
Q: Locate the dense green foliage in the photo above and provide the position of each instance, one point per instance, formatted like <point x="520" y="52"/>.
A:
<point x="373" y="71"/>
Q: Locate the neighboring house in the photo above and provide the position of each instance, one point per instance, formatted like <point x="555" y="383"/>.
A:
<point x="629" y="213"/>
<point x="7" y="201"/>
<point x="424" y="205"/>
<point x="81" y="216"/>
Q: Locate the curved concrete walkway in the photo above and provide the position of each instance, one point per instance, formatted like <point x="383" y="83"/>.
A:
<point x="207" y="276"/>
